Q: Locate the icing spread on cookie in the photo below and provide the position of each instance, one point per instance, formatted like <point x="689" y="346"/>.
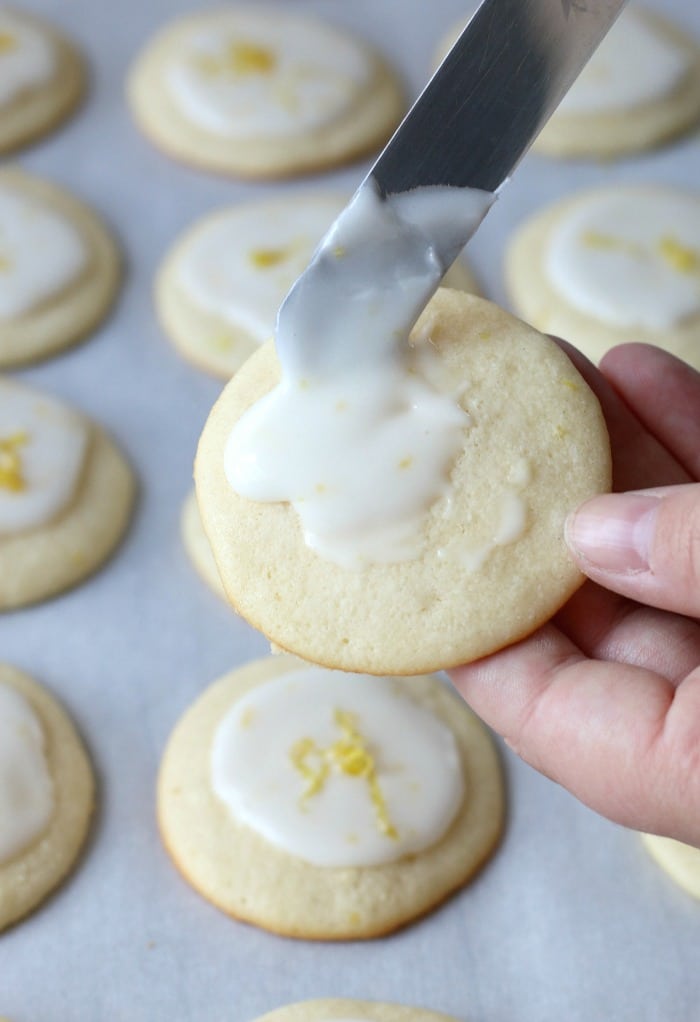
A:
<point x="240" y="263"/>
<point x="338" y="769"/>
<point x="635" y="64"/>
<point x="629" y="257"/>
<point x="43" y="446"/>
<point x="27" y="57"/>
<point x="41" y="253"/>
<point x="249" y="74"/>
<point x="26" y="789"/>
<point x="507" y="527"/>
<point x="360" y="435"/>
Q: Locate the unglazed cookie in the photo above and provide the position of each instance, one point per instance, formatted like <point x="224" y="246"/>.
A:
<point x="65" y="496"/>
<point x="197" y="545"/>
<point x="219" y="289"/>
<point x="485" y="563"/>
<point x="343" y="1010"/>
<point x="46" y="794"/>
<point x="59" y="268"/>
<point x="612" y="265"/>
<point x="325" y="805"/>
<point x="42" y="78"/>
<point x="640" y="88"/>
<point x="680" y="861"/>
<point x="263" y="93"/>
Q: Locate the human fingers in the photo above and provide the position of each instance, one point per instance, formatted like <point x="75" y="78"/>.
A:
<point x="664" y="394"/>
<point x="607" y="626"/>
<point x="639" y="458"/>
<point x="644" y="545"/>
<point x="621" y="738"/>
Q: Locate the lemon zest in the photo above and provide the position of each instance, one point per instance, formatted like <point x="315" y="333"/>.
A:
<point x="11" y="474"/>
<point x="348" y="755"/>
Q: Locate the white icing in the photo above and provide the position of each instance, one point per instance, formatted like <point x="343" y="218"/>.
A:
<point x="41" y="253"/>
<point x="42" y="450"/>
<point x="630" y="258"/>
<point x="26" y="789"/>
<point x="633" y="65"/>
<point x="248" y="74"/>
<point x="510" y="523"/>
<point x="27" y="57"/>
<point x="240" y="264"/>
<point x="415" y="756"/>
<point x="359" y="436"/>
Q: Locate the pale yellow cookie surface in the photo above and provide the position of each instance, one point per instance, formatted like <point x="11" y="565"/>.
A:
<point x="361" y="126"/>
<point x="251" y="879"/>
<point x="680" y="861"/>
<point x="344" y="1010"/>
<point x="197" y="545"/>
<point x="38" y="107"/>
<point x="40" y="562"/>
<point x="31" y="875"/>
<point x="532" y="417"/>
<point x="621" y="131"/>
<point x="538" y="299"/>
<point x="69" y="314"/>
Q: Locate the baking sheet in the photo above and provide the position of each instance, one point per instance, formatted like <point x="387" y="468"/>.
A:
<point x="570" y="920"/>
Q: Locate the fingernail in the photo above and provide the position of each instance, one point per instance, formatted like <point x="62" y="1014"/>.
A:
<point x="614" y="532"/>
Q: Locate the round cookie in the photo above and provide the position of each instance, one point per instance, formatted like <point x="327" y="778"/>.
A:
<point x="32" y="864"/>
<point x="197" y="545"/>
<point x="66" y="494"/>
<point x="263" y="94"/>
<point x="219" y="288"/>
<point x="493" y="565"/>
<point x="343" y="1010"/>
<point x="640" y="89"/>
<point x="324" y="805"/>
<point x="610" y="265"/>
<point x="59" y="268"/>
<point x="42" y="78"/>
<point x="680" y="861"/>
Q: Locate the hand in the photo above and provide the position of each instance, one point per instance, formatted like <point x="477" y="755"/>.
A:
<point x="605" y="698"/>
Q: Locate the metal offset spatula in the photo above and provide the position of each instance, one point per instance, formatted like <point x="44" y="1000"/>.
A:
<point x="469" y="129"/>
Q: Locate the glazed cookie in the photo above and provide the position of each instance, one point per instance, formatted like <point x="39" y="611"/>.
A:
<point x="680" y="861"/>
<point x="263" y="93"/>
<point x="220" y="287"/>
<point x="197" y="545"/>
<point x="612" y="265"/>
<point x="421" y="535"/>
<point x="46" y="794"/>
<point x="342" y="1010"/>
<point x="640" y="88"/>
<point x="65" y="496"/>
<point x="42" y="78"/>
<point x="324" y="805"/>
<point x="59" y="269"/>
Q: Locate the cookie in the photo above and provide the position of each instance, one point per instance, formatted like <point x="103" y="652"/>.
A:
<point x="324" y="805"/>
<point x="263" y="93"/>
<point x="483" y="565"/>
<point x="219" y="289"/>
<point x="66" y="494"/>
<point x="343" y="1010"/>
<point x="59" y="268"/>
<point x="197" y="545"/>
<point x="680" y="861"/>
<point x="610" y="265"/>
<point x="640" y="89"/>
<point x="42" y="78"/>
<point x="46" y="794"/>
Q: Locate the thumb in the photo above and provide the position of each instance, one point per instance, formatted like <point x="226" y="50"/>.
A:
<point x="644" y="544"/>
